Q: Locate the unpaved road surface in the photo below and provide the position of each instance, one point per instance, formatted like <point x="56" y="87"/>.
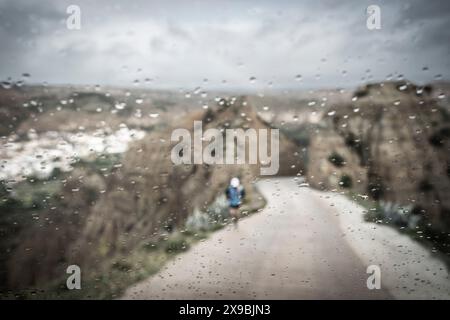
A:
<point x="305" y="244"/>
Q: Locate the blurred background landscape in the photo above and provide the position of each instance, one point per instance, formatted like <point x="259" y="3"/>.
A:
<point x="86" y="117"/>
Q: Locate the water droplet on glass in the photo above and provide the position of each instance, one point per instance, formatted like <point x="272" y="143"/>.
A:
<point x="7" y="84"/>
<point x="120" y="105"/>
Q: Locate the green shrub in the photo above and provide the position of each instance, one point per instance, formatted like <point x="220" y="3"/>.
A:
<point x="176" y="243"/>
<point x="336" y="159"/>
<point x="376" y="190"/>
<point x="151" y="246"/>
<point x="122" y="266"/>
<point x="346" y="181"/>
<point x="425" y="186"/>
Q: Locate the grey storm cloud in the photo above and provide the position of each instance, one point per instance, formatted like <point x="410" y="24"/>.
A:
<point x="180" y="43"/>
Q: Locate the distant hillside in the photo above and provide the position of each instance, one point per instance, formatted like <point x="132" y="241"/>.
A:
<point x="68" y="108"/>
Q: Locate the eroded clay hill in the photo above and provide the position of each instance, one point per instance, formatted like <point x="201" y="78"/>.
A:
<point x="390" y="142"/>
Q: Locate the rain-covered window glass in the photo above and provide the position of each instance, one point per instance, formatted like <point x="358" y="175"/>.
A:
<point x="224" y="150"/>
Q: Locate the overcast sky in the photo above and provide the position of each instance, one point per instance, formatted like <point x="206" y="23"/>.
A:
<point x="181" y="43"/>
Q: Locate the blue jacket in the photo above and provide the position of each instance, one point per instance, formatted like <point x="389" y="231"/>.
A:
<point x="235" y="195"/>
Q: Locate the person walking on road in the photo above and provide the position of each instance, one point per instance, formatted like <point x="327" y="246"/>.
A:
<point x="235" y="193"/>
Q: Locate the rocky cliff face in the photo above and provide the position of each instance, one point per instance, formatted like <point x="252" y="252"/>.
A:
<point x="390" y="142"/>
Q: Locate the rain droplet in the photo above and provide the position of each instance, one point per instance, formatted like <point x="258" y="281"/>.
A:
<point x="6" y="84"/>
<point x="120" y="105"/>
<point x="303" y="185"/>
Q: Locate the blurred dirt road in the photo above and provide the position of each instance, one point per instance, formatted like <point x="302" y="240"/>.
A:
<point x="305" y="244"/>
